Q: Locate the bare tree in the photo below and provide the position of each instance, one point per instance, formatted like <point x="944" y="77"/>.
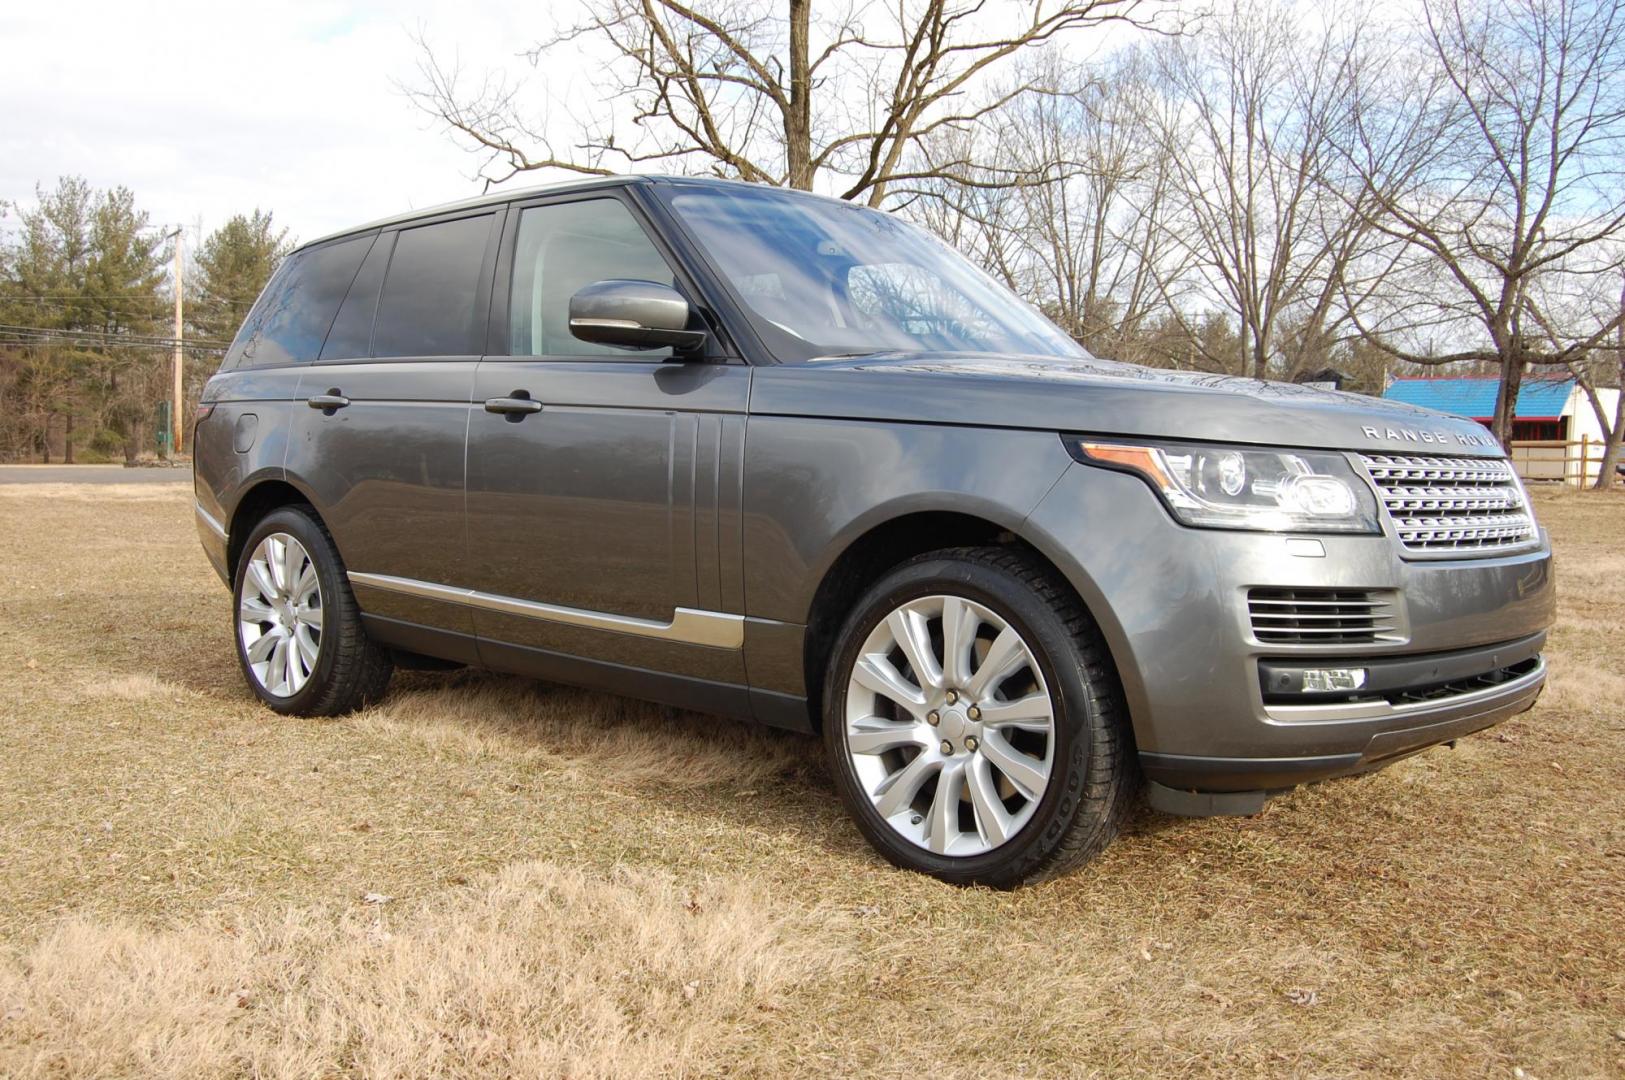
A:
<point x="1256" y="101"/>
<point x="725" y="87"/>
<point x="1563" y="323"/>
<point x="1615" y="431"/>
<point x="1080" y="234"/>
<point x="1096" y="236"/>
<point x="1495" y="156"/>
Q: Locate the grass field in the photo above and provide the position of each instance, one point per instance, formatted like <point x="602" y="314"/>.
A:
<point x="487" y="876"/>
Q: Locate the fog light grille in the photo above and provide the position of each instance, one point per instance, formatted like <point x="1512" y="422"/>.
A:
<point x="1321" y="616"/>
<point x="1457" y="687"/>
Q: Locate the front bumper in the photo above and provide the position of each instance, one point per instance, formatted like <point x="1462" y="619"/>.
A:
<point x="1172" y="603"/>
<point x="1397" y="730"/>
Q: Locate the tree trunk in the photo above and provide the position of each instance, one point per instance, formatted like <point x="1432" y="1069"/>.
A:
<point x="67" y="439"/>
<point x="1615" y="434"/>
<point x="1610" y="448"/>
<point x="1506" y="397"/>
<point x="798" y="124"/>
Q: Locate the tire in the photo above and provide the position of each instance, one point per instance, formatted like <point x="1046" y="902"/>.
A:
<point x="1002" y="828"/>
<point x="278" y="627"/>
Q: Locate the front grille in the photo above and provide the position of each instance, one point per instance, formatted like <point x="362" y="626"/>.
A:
<point x="1446" y="505"/>
<point x="1321" y="616"/>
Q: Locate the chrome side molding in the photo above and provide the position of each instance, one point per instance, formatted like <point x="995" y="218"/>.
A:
<point x="208" y="519"/>
<point x="714" y="629"/>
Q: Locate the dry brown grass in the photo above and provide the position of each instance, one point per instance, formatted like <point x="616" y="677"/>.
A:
<point x="541" y="970"/>
<point x="583" y="885"/>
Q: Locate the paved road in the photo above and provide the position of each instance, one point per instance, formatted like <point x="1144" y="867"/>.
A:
<point x="91" y="474"/>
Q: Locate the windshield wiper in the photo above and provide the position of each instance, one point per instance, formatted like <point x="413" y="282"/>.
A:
<point x="849" y="355"/>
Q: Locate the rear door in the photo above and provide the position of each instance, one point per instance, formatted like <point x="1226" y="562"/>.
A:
<point x="381" y="421"/>
<point x="604" y="524"/>
<point x="246" y="437"/>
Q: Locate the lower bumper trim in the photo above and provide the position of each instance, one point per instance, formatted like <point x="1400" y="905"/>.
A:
<point x="1212" y="774"/>
<point x="1204" y="803"/>
<point x="1196" y="776"/>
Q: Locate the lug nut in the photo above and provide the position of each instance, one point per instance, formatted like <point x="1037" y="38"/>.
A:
<point x="947" y="747"/>
<point x="953" y="696"/>
<point x="974" y="713"/>
<point x="932" y="718"/>
<point x="971" y="743"/>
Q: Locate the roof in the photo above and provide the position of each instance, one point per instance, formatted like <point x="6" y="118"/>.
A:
<point x="1474" y="396"/>
<point x="580" y="183"/>
<point x="495" y="198"/>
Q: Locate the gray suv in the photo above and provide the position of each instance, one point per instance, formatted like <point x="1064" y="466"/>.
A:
<point x="769" y="455"/>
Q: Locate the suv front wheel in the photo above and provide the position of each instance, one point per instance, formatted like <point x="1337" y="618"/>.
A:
<point x="299" y="636"/>
<point x="974" y="722"/>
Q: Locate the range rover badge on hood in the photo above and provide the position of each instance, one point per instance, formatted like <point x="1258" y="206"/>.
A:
<point x="1416" y="435"/>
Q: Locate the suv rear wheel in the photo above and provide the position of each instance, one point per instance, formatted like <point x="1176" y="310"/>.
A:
<point x="299" y="635"/>
<point x="974" y="722"/>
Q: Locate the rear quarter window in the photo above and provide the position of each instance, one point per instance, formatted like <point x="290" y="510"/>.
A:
<point x="290" y="320"/>
<point x="351" y="335"/>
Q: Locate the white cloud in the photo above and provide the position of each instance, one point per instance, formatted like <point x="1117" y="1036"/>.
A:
<point x="209" y="109"/>
<point x="205" y="110"/>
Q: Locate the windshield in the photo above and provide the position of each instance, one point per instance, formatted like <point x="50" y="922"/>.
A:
<point x="820" y="278"/>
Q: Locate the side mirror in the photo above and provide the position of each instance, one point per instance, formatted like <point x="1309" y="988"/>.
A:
<point x="633" y="314"/>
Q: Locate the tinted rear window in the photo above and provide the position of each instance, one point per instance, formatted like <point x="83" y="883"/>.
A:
<point x="351" y="335"/>
<point x="427" y="306"/>
<point x="290" y="320"/>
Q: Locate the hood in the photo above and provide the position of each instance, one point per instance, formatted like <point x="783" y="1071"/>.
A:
<point x="1104" y="397"/>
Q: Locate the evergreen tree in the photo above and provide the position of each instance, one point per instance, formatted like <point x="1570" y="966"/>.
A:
<point x="82" y="270"/>
<point x="123" y="285"/>
<point x="44" y="285"/>
<point x="233" y="265"/>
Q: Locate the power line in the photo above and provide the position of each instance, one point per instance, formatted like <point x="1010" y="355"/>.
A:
<point x="46" y="335"/>
<point x="154" y="339"/>
<point x="70" y="295"/>
<point x="9" y="339"/>
<point x="98" y="305"/>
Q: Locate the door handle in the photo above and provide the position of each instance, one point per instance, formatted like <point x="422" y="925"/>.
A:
<point x="329" y="401"/>
<point x="519" y="405"/>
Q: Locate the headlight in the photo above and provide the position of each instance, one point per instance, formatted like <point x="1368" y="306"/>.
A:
<point x="1232" y="487"/>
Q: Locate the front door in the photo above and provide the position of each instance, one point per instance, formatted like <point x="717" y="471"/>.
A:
<point x="603" y="483"/>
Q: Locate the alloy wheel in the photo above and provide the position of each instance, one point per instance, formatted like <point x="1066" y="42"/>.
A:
<point x="279" y="616"/>
<point x="950" y="727"/>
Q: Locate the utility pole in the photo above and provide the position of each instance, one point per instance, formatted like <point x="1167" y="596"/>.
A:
<point x="175" y="424"/>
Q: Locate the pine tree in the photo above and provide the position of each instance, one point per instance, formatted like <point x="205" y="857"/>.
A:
<point x="83" y="270"/>
<point x="44" y="285"/>
<point x="233" y="265"/>
<point x="123" y="283"/>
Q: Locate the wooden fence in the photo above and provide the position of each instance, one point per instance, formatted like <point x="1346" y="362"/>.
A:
<point x="1572" y="461"/>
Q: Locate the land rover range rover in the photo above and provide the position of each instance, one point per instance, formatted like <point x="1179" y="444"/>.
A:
<point x="764" y="454"/>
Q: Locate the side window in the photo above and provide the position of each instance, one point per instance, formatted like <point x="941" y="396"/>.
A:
<point x="560" y="249"/>
<point x="427" y="304"/>
<point x="351" y="335"/>
<point x="291" y="318"/>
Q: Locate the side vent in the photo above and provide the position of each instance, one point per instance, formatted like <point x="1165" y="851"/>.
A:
<point x="1321" y="616"/>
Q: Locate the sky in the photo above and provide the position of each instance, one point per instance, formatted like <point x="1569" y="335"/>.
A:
<point x="205" y="110"/>
<point x="209" y="109"/>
